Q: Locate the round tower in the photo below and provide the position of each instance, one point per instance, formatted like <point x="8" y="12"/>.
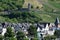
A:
<point x="29" y="6"/>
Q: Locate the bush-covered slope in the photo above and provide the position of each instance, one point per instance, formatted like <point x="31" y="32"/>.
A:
<point x="29" y="17"/>
<point x="11" y="4"/>
<point x="47" y="13"/>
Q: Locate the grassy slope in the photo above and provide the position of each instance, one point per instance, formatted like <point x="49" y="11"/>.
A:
<point x="32" y="2"/>
<point x="10" y="4"/>
<point x="47" y="17"/>
<point x="55" y="3"/>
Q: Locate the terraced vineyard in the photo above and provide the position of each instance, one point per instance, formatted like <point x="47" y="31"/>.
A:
<point x="55" y="3"/>
<point x="51" y="8"/>
<point x="10" y="4"/>
<point x="48" y="13"/>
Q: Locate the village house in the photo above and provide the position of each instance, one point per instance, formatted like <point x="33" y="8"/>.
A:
<point x="43" y="29"/>
<point x="57" y="23"/>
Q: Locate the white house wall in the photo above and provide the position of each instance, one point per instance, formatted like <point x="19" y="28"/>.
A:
<point x="4" y="31"/>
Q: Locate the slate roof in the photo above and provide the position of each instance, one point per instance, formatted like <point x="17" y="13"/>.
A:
<point x="57" y="20"/>
<point x="43" y="25"/>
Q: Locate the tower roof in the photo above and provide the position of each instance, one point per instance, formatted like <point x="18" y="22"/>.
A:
<point x="57" y="20"/>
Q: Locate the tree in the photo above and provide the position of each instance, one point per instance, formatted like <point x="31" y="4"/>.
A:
<point x="9" y="32"/>
<point x="37" y="7"/>
<point x="57" y="33"/>
<point x="32" y="6"/>
<point x="10" y="38"/>
<point x="52" y="0"/>
<point x="34" y="38"/>
<point x="11" y="4"/>
<point x="50" y="37"/>
<point x="9" y="35"/>
<point x="20" y="35"/>
<point x="26" y="39"/>
<point x="1" y="37"/>
<point x="32" y="31"/>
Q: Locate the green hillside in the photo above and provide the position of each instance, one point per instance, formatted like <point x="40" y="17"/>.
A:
<point x="10" y="4"/>
<point x="35" y="3"/>
<point x="48" y="13"/>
